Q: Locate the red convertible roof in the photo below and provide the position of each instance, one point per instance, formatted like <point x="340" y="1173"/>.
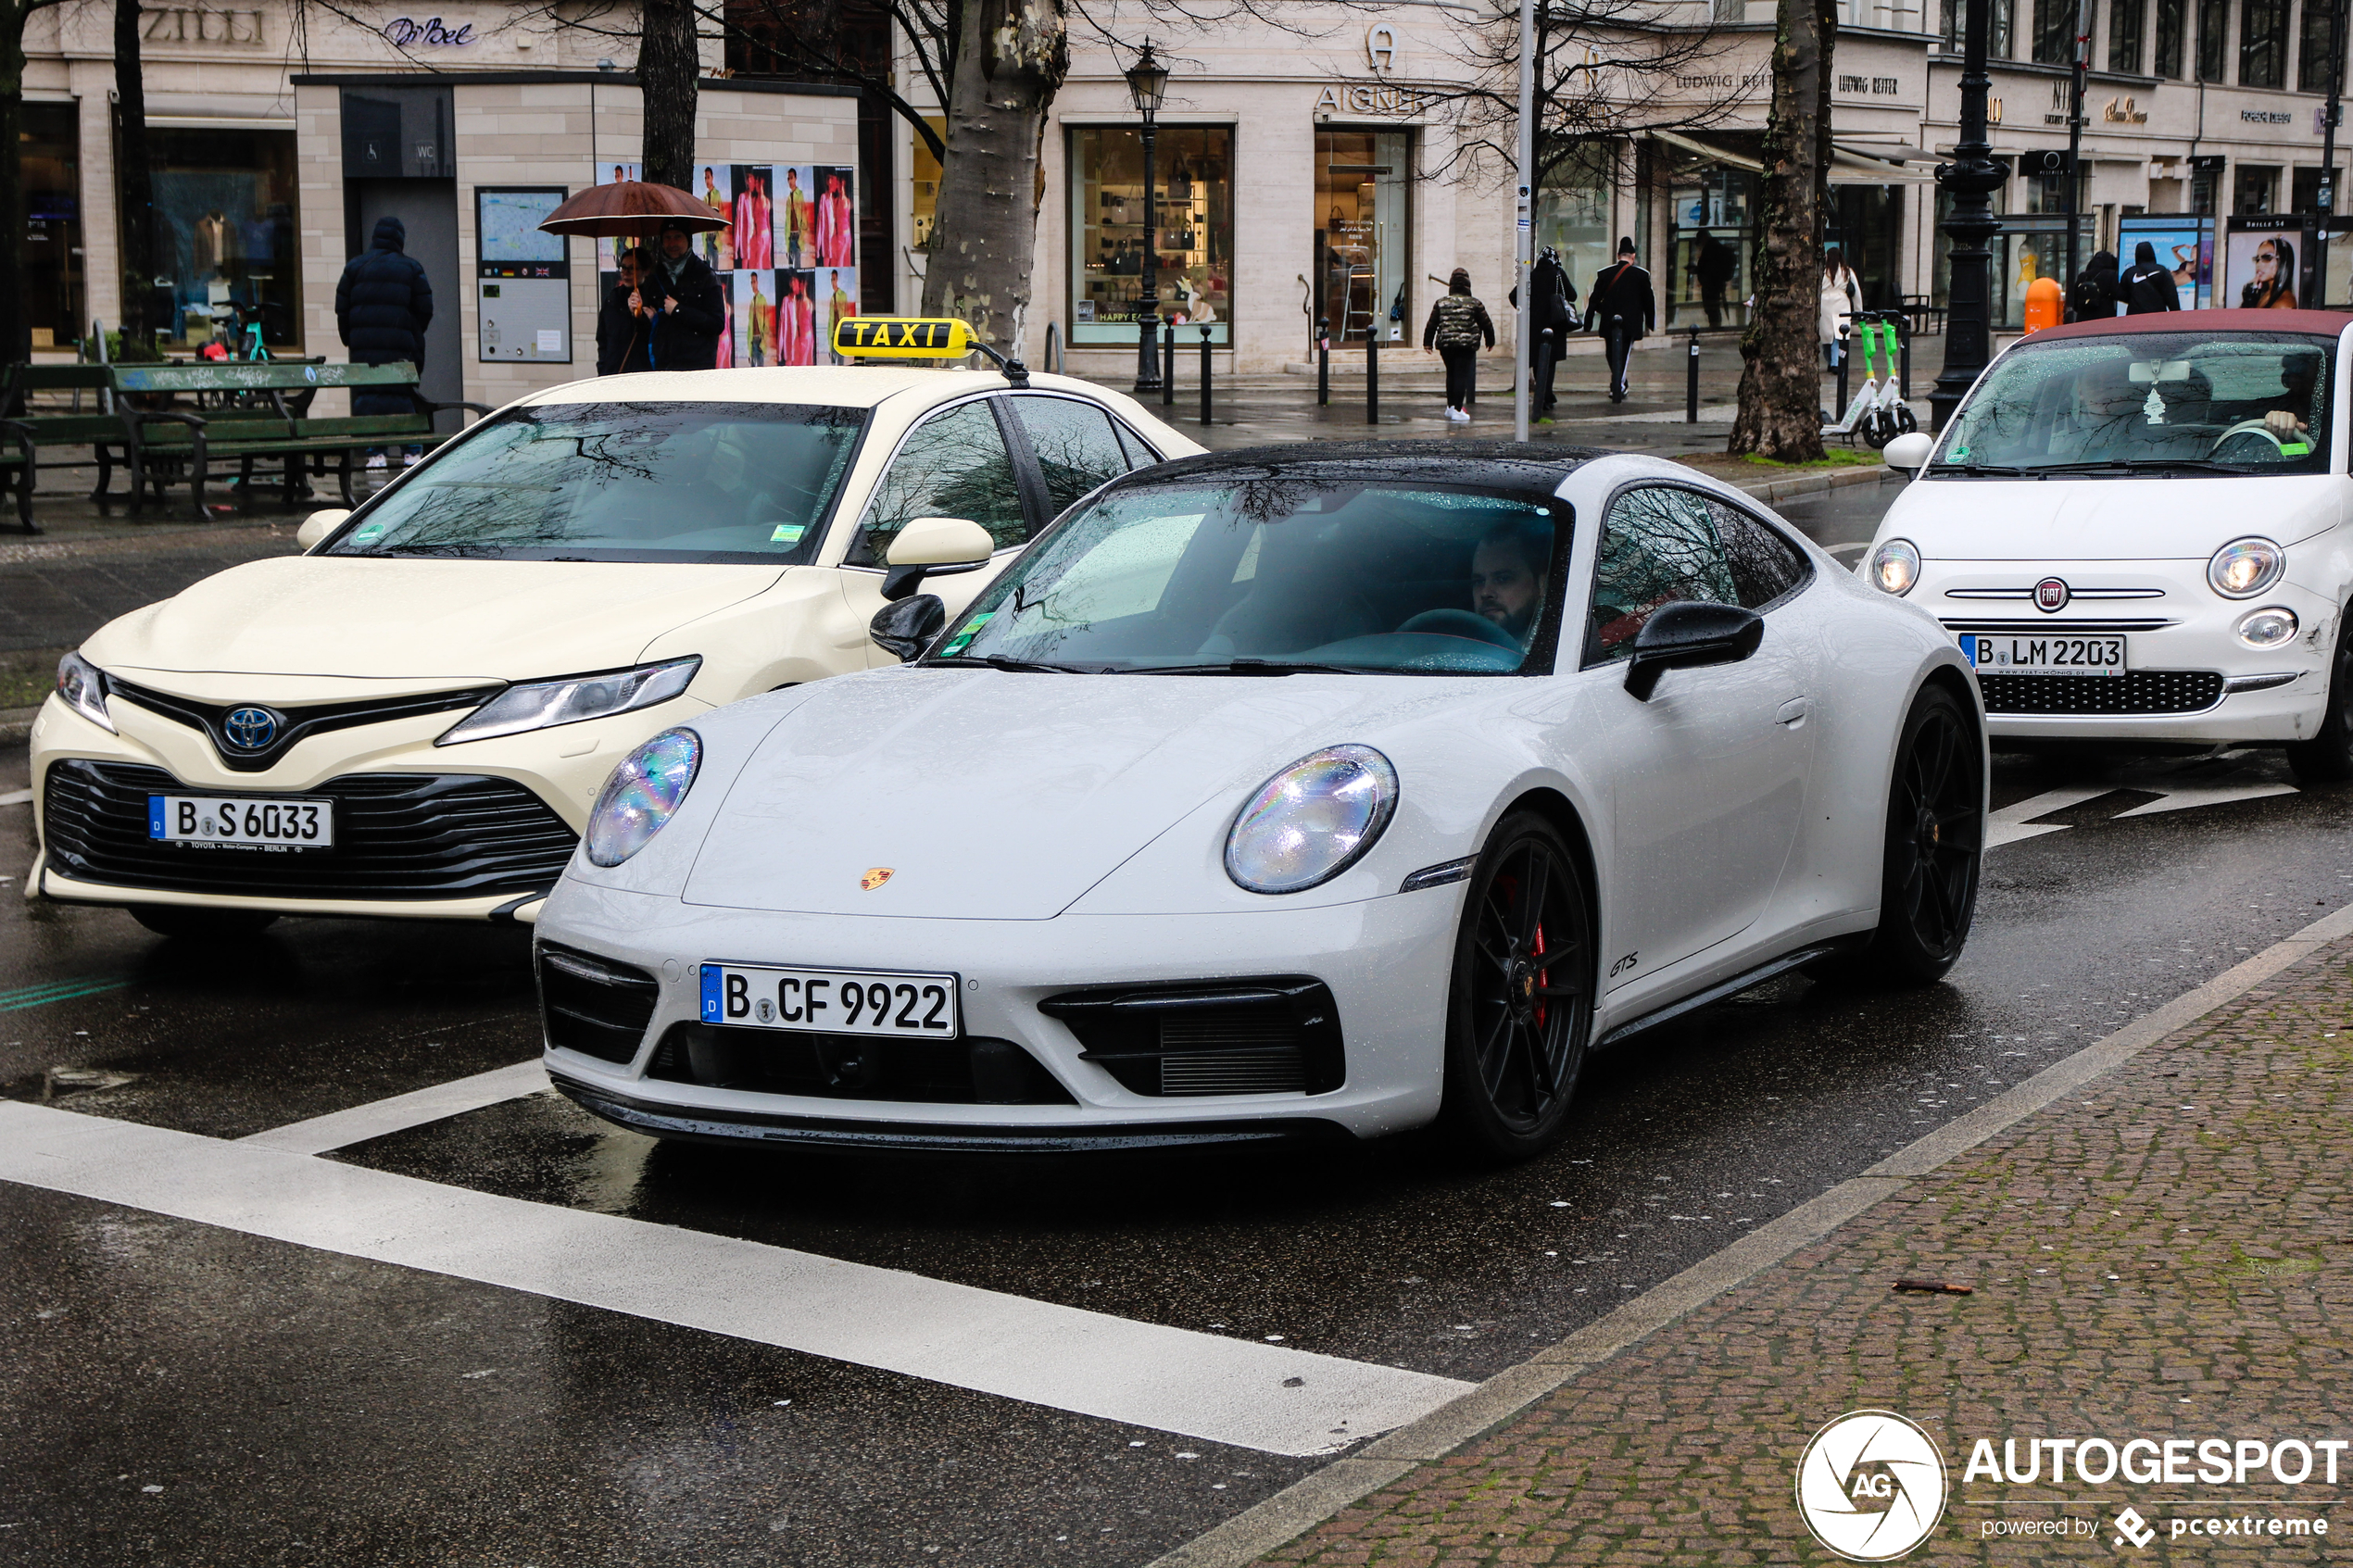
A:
<point x="2327" y="323"/>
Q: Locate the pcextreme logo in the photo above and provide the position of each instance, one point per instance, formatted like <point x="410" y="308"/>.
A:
<point x="1871" y="1486"/>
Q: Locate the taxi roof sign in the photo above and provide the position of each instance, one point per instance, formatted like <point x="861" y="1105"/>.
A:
<point x="902" y="337"/>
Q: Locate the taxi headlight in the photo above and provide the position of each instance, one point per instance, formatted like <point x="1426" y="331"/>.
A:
<point x="1312" y="821"/>
<point x="83" y="687"/>
<point x="641" y="795"/>
<point x="2245" y="567"/>
<point x="544" y="704"/>
<point x="2266" y="628"/>
<point x="1895" y="566"/>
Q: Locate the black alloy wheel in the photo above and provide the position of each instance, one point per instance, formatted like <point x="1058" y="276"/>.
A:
<point x="1521" y="1005"/>
<point x="192" y="922"/>
<point x="1935" y="844"/>
<point x="2327" y="758"/>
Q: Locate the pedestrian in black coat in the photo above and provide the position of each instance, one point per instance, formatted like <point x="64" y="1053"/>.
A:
<point x="383" y="303"/>
<point x="2149" y="287"/>
<point x="691" y="310"/>
<point x="1622" y="308"/>
<point x="625" y="319"/>
<point x="1554" y="299"/>
<point x="2095" y="294"/>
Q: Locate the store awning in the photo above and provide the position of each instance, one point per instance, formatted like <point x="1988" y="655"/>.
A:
<point x="1891" y="151"/>
<point x="1846" y="169"/>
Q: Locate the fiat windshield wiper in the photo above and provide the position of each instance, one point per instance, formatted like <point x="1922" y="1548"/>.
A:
<point x="2132" y="465"/>
<point x="2006" y="470"/>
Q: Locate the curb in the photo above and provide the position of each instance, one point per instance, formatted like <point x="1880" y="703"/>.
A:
<point x="16" y="724"/>
<point x="1808" y="483"/>
<point x="1299" y="1508"/>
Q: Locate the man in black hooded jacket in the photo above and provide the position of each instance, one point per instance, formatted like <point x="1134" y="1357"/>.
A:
<point x="2147" y="287"/>
<point x="691" y="311"/>
<point x="383" y="303"/>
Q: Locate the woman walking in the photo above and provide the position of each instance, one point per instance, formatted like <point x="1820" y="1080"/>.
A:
<point x="1842" y="301"/>
<point x="1458" y="327"/>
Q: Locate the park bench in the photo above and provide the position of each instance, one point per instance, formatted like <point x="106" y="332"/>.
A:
<point x="33" y="432"/>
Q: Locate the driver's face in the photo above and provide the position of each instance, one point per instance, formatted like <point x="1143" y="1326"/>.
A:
<point x="1504" y="589"/>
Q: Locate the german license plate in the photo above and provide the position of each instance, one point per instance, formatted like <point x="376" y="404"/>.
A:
<point x="2017" y="653"/>
<point x="832" y="1001"/>
<point x="219" y="822"/>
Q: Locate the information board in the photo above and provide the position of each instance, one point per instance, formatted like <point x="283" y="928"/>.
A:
<point x="523" y="276"/>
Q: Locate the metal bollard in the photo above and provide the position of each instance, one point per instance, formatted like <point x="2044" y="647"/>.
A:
<point x="1204" y="375"/>
<point x="1904" y="345"/>
<point x="1168" y="365"/>
<point x="1842" y="356"/>
<point x="1547" y="367"/>
<point x="1372" y="375"/>
<point x="1690" y="382"/>
<point x="1323" y="362"/>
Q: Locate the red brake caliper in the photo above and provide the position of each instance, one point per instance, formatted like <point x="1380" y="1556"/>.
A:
<point x="1543" y="977"/>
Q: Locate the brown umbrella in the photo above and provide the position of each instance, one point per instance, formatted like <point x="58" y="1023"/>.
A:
<point x="630" y="208"/>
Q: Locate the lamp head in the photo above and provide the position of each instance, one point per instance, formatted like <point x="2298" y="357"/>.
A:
<point x="1148" y="80"/>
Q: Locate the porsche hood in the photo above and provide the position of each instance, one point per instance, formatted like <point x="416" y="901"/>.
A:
<point x="996" y="796"/>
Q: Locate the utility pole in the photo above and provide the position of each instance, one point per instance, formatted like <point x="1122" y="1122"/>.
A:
<point x="2075" y="128"/>
<point x="2328" y="142"/>
<point x="1970" y="180"/>
<point x="1524" y="238"/>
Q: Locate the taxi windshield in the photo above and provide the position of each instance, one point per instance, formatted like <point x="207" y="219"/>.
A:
<point x="625" y="481"/>
<point x="2171" y="402"/>
<point x="1275" y="574"/>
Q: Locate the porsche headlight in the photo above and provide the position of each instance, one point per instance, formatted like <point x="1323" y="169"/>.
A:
<point x="641" y="795"/>
<point x="1312" y="821"/>
<point x="83" y="687"/>
<point x="2245" y="567"/>
<point x="1895" y="566"/>
<point x="543" y="704"/>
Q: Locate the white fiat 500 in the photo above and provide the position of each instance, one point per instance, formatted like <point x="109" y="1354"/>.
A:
<point x="412" y="719"/>
<point x="1276" y="792"/>
<point x="2141" y="530"/>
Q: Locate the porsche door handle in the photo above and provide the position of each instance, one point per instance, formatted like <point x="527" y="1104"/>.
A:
<point x="1793" y="711"/>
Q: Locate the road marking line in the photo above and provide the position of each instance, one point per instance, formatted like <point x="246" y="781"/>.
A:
<point x="16" y="797"/>
<point x="2182" y="797"/>
<point x="2010" y="825"/>
<point x="341" y="1129"/>
<point x="59" y="991"/>
<point x="1195" y="1384"/>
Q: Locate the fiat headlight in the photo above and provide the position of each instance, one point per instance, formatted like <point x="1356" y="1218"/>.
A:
<point x="1895" y="566"/>
<point x="2245" y="567"/>
<point x="541" y="705"/>
<point x="83" y="687"/>
<point x="2267" y="628"/>
<point x="1312" y="821"/>
<point x="642" y="795"/>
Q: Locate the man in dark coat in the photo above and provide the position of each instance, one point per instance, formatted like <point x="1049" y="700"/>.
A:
<point x="1622" y="308"/>
<point x="2147" y="287"/>
<point x="2094" y="295"/>
<point x="1556" y="309"/>
<point x="691" y="310"/>
<point x="383" y="303"/>
<point x="1713" y="267"/>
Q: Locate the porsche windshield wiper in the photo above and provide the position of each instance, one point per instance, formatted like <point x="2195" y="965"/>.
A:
<point x="1249" y="666"/>
<point x="1015" y="666"/>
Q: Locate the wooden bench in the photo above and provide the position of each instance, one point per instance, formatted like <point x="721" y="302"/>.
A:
<point x="34" y="432"/>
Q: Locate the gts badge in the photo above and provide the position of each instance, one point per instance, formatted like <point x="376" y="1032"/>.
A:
<point x="1622" y="965"/>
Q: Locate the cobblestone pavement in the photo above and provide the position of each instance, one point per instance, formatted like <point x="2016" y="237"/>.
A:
<point x="2163" y="1253"/>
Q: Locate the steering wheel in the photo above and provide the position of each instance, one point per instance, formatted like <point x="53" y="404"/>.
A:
<point x="1462" y="623"/>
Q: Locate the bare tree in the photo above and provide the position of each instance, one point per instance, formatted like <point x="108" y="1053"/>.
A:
<point x="669" y="66"/>
<point x="16" y="338"/>
<point x="1780" y="407"/>
<point x="135" y="177"/>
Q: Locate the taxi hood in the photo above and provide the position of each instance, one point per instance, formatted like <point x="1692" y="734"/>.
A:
<point x="995" y="794"/>
<point x="432" y="621"/>
<point x="2173" y="519"/>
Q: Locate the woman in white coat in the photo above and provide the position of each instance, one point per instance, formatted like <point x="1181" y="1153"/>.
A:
<point x="1842" y="300"/>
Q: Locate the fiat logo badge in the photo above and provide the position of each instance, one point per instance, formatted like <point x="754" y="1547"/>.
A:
<point x="2050" y="594"/>
<point x="250" y="729"/>
<point x="875" y="876"/>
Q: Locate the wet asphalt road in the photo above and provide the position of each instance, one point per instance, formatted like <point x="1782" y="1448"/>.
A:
<point x="175" y="1391"/>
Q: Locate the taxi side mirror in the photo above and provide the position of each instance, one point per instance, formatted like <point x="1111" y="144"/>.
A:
<point x="905" y="627"/>
<point x="1910" y="451"/>
<point x="319" y="524"/>
<point x="934" y="547"/>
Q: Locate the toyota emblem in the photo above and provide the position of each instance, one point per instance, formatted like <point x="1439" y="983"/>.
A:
<point x="2050" y="594"/>
<point x="250" y="729"/>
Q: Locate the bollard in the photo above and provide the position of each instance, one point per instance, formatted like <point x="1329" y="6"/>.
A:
<point x="1204" y="375"/>
<point x="1168" y="365"/>
<point x="1842" y="356"/>
<point x="1322" y="363"/>
<point x="1371" y="377"/>
<point x="1903" y="344"/>
<point x="1690" y="382"/>
<point x="1547" y="366"/>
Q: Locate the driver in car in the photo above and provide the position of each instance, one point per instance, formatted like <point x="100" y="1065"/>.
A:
<point x="2289" y="410"/>
<point x="1508" y="576"/>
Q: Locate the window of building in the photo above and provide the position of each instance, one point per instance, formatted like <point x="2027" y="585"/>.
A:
<point x="2127" y="22"/>
<point x="2305" y="189"/>
<point x="1573" y="207"/>
<point x="2170" y="16"/>
<point x="50" y="163"/>
<point x="2054" y="41"/>
<point x="1364" y="230"/>
<point x="1193" y="183"/>
<point x="1707" y="277"/>
<point x="2255" y="188"/>
<point x="2000" y="14"/>
<point x="2204" y="185"/>
<point x="225" y="228"/>
<point x="925" y="171"/>
<point x="2312" y="72"/>
<point x="2213" y="38"/>
<point x="2263" y="44"/>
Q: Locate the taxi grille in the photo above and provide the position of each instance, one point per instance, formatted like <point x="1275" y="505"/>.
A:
<point x="2142" y="691"/>
<point x="397" y="835"/>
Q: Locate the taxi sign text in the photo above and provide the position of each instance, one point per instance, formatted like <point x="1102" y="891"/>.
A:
<point x="902" y="337"/>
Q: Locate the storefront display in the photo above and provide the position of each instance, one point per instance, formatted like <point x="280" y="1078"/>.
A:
<point x="1363" y="233"/>
<point x="52" y="174"/>
<point x="1706" y="281"/>
<point x="225" y="225"/>
<point x="1193" y="181"/>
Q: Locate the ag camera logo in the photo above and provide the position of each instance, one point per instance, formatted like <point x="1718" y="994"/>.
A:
<point x="1871" y="1486"/>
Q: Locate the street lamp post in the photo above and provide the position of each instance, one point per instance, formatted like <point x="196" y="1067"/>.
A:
<point x="1147" y="84"/>
<point x="1970" y="180"/>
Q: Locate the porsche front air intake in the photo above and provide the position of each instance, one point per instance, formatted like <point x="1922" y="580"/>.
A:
<point x="1279" y="1035"/>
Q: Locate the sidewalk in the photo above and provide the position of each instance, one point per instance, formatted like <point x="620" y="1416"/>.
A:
<point x="2158" y="1252"/>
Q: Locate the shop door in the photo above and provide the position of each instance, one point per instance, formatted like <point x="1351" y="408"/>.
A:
<point x="1364" y="266"/>
<point x="428" y="210"/>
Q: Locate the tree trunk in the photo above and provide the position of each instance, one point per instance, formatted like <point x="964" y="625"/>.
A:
<point x="1780" y="409"/>
<point x="668" y="70"/>
<point x="134" y="184"/>
<point x="1009" y="61"/>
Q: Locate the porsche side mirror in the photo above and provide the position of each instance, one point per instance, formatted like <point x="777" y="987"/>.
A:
<point x="1909" y="452"/>
<point x="1689" y="634"/>
<point x="905" y="627"/>
<point x="934" y="546"/>
<point x="318" y="525"/>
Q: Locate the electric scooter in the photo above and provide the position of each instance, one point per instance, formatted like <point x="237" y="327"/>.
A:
<point x="1877" y="413"/>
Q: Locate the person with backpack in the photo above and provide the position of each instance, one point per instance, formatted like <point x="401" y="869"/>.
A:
<point x="1555" y="311"/>
<point x="1622" y="308"/>
<point x="2149" y="287"/>
<point x="2095" y="294"/>
<point x="1458" y="327"/>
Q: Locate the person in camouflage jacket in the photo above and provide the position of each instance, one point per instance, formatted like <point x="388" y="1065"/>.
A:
<point x="1458" y="327"/>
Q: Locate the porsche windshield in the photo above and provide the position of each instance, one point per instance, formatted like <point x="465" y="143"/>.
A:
<point x="633" y="482"/>
<point x="2173" y="403"/>
<point x="1267" y="575"/>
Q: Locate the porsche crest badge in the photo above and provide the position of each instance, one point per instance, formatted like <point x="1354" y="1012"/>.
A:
<point x="875" y="876"/>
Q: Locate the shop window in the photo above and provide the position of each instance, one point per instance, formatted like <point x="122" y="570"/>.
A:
<point x="2126" y="20"/>
<point x="1193" y="185"/>
<point x="2205" y="187"/>
<point x="2305" y="189"/>
<point x="2263" y="44"/>
<point x="925" y="169"/>
<point x="2255" y="189"/>
<point x="1865" y="223"/>
<point x="2053" y="32"/>
<point x="1572" y="211"/>
<point x="1362" y="226"/>
<point x="1706" y="269"/>
<point x="2213" y="38"/>
<point x="49" y="164"/>
<point x="2170" y="17"/>
<point x="225" y="227"/>
<point x="2312" y="71"/>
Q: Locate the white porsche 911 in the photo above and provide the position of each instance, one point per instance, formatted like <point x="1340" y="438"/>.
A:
<point x="1291" y="791"/>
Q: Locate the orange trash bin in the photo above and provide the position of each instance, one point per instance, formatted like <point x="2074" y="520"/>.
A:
<point x="2045" y="304"/>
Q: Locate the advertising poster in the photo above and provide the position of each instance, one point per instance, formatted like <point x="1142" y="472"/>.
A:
<point x="2183" y="243"/>
<point x="609" y="250"/>
<point x="715" y="183"/>
<point x="797" y="318"/>
<point x="2267" y="262"/>
<point x="754" y="235"/>
<point x="754" y="317"/>
<point x="795" y="212"/>
<point x="837" y="293"/>
<point x="833" y="225"/>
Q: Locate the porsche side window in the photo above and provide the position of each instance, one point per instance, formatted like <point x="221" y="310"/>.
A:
<point x="1766" y="567"/>
<point x="954" y="464"/>
<point x="1659" y="545"/>
<point x="1076" y="446"/>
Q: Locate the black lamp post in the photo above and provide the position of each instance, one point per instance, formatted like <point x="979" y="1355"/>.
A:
<point x="1147" y="84"/>
<point x="1970" y="180"/>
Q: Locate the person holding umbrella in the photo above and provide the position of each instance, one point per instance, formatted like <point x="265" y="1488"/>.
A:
<point x="687" y="322"/>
